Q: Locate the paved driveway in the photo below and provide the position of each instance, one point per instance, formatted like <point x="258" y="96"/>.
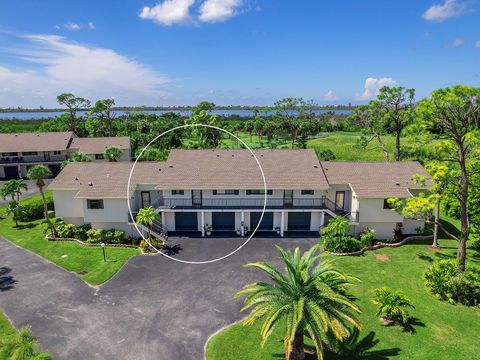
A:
<point x="154" y="308"/>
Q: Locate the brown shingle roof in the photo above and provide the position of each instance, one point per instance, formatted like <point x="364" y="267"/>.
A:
<point x="100" y="144"/>
<point x="375" y="179"/>
<point x="46" y="141"/>
<point x="198" y="169"/>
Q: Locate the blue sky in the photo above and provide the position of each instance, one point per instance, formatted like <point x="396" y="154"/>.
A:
<point x="180" y="52"/>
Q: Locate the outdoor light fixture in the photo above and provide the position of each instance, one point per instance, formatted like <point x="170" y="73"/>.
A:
<point x="103" y="250"/>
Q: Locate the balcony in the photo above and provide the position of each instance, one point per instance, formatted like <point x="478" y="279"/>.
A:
<point x="32" y="159"/>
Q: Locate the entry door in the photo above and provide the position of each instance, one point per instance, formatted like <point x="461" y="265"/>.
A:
<point x="145" y="199"/>
<point x="340" y="200"/>
<point x="288" y="197"/>
<point x="197" y="198"/>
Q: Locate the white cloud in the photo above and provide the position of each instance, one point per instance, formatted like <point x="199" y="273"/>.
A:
<point x="455" y="43"/>
<point x="449" y="9"/>
<point x="372" y="87"/>
<point x="56" y="65"/>
<point x="91" y="25"/>
<point x="477" y="44"/>
<point x="218" y="10"/>
<point x="330" y="96"/>
<point x="72" y="26"/>
<point x="168" y="12"/>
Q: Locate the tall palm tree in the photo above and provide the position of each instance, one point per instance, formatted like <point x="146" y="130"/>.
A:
<point x="310" y="297"/>
<point x="112" y="154"/>
<point x="39" y="173"/>
<point x="146" y="217"/>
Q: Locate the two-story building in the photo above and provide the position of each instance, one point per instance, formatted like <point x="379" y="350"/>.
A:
<point x="223" y="190"/>
<point x="20" y="151"/>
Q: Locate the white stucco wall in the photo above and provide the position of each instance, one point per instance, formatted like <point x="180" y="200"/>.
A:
<point x="115" y="210"/>
<point x="66" y="205"/>
<point x="371" y="210"/>
<point x="315" y="221"/>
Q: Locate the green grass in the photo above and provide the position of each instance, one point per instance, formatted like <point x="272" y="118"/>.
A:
<point x="68" y="255"/>
<point x="6" y="328"/>
<point x="345" y="145"/>
<point x="445" y="331"/>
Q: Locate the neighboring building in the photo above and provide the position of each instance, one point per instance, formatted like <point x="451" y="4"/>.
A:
<point x="224" y="189"/>
<point x="21" y="151"/>
<point x="95" y="147"/>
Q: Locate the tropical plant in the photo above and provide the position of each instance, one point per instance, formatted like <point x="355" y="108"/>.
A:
<point x="21" y="346"/>
<point x="39" y="173"/>
<point x="13" y="209"/>
<point x="76" y="157"/>
<point x="13" y="188"/>
<point x="309" y="298"/>
<point x="112" y="154"/>
<point x="338" y="226"/>
<point x="147" y="217"/>
<point x="392" y="305"/>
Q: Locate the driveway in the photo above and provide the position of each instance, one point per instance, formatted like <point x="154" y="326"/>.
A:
<point x="154" y="308"/>
<point x="32" y="190"/>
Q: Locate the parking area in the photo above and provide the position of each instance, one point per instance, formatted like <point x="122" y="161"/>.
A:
<point x="154" y="308"/>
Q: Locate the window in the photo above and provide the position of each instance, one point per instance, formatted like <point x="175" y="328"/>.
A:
<point x="259" y="192"/>
<point x="29" y="153"/>
<point x="98" y="156"/>
<point x="178" y="192"/>
<point x="94" y="204"/>
<point x="307" y="192"/>
<point x="386" y="205"/>
<point x="57" y="152"/>
<point x="225" y="192"/>
<point x="9" y="154"/>
<point x="340" y="200"/>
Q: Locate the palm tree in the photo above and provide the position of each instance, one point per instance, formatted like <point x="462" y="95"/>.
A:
<point x="112" y="154"/>
<point x="39" y="173"/>
<point x="146" y="217"/>
<point x="21" y="346"/>
<point x="310" y="297"/>
<point x="392" y="305"/>
<point x="337" y="226"/>
<point x="13" y="188"/>
<point x="13" y="208"/>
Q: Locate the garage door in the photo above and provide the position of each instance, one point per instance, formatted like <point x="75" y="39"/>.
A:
<point x="299" y="221"/>
<point x="267" y="221"/>
<point x="223" y="221"/>
<point x="186" y="221"/>
<point x="11" y="172"/>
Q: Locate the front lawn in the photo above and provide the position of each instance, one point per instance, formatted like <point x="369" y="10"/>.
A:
<point x="85" y="261"/>
<point x="442" y="331"/>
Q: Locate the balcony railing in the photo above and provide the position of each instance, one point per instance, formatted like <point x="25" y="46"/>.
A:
<point x="32" y="159"/>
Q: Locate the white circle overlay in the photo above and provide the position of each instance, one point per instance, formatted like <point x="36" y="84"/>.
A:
<point x="264" y="198"/>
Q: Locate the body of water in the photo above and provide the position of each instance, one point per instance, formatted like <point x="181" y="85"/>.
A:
<point x="242" y="113"/>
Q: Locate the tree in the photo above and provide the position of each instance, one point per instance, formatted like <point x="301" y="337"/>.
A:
<point x="73" y="104"/>
<point x="455" y="111"/>
<point x="396" y="110"/>
<point x="249" y="126"/>
<point x="392" y="305"/>
<point x="102" y="110"/>
<point x="147" y="217"/>
<point x="13" y="208"/>
<point x="338" y="226"/>
<point x="202" y="114"/>
<point x="113" y="154"/>
<point x="21" y="346"/>
<point x="76" y="157"/>
<point x="365" y="117"/>
<point x="13" y="188"/>
<point x="290" y="110"/>
<point x="310" y="298"/>
<point x="39" y="173"/>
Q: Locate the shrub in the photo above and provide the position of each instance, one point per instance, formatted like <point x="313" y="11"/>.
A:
<point x="80" y="232"/>
<point x="147" y="248"/>
<point x="443" y="280"/>
<point x="392" y="305"/>
<point x="33" y="209"/>
<point x="112" y="236"/>
<point x="326" y="155"/>
<point x="368" y="237"/>
<point x="398" y="232"/>
<point x="95" y="236"/>
<point x="338" y="226"/>
<point x="65" y="230"/>
<point x="341" y="244"/>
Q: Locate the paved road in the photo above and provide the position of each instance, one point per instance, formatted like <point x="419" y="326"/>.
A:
<point x="32" y="190"/>
<point x="154" y="308"/>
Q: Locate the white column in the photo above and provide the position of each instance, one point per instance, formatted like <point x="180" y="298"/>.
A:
<point x="20" y="172"/>
<point x="282" y="223"/>
<point x="322" y="218"/>
<point x="242" y="223"/>
<point x="202" y="223"/>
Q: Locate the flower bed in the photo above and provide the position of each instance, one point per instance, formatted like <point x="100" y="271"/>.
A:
<point x="52" y="238"/>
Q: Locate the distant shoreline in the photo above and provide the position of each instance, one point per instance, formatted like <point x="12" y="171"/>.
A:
<point x="173" y="108"/>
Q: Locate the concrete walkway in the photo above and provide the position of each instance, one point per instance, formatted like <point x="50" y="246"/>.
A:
<point x="154" y="308"/>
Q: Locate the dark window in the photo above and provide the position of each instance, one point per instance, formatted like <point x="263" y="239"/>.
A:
<point x="386" y="205"/>
<point x="95" y="204"/>
<point x="307" y="192"/>
<point x="340" y="200"/>
<point x="9" y="154"/>
<point x="29" y="153"/>
<point x="178" y="192"/>
<point x="259" y="192"/>
<point x="57" y="152"/>
<point x="225" y="192"/>
<point x="99" y="156"/>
